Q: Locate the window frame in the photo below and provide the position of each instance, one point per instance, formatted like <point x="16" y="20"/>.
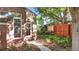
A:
<point x="20" y="18"/>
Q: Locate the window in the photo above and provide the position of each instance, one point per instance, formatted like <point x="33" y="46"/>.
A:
<point x="28" y="28"/>
<point x="3" y="20"/>
<point x="17" y="26"/>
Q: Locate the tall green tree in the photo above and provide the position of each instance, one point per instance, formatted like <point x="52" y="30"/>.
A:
<point x="54" y="13"/>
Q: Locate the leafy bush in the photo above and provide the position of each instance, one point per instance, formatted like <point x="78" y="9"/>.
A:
<point x="43" y="30"/>
<point x="62" y="41"/>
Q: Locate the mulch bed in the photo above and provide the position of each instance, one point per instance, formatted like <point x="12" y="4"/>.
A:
<point x="20" y="46"/>
<point x="24" y="47"/>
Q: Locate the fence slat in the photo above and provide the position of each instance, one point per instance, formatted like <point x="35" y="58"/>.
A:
<point x="62" y="29"/>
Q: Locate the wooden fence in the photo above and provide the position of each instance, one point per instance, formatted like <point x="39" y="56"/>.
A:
<point x="61" y="29"/>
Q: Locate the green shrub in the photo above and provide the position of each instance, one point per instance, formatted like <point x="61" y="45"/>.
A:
<point x="62" y="41"/>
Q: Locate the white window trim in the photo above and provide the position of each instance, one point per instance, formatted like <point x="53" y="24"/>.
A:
<point x="15" y="17"/>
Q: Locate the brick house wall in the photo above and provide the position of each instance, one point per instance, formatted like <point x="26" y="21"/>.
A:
<point x="23" y="11"/>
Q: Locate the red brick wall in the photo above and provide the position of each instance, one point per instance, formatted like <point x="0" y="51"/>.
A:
<point x="14" y="9"/>
<point x="3" y="31"/>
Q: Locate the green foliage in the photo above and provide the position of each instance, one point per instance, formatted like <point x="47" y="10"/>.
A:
<point x="54" y="12"/>
<point x="51" y="12"/>
<point x="39" y="23"/>
<point x="43" y="30"/>
<point x="62" y="41"/>
<point x="39" y="19"/>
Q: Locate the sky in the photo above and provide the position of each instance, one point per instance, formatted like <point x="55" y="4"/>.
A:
<point x="34" y="9"/>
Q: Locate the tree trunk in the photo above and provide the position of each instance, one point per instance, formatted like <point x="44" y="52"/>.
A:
<point x="75" y="28"/>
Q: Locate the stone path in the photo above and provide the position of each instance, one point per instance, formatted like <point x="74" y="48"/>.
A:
<point x="39" y="45"/>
